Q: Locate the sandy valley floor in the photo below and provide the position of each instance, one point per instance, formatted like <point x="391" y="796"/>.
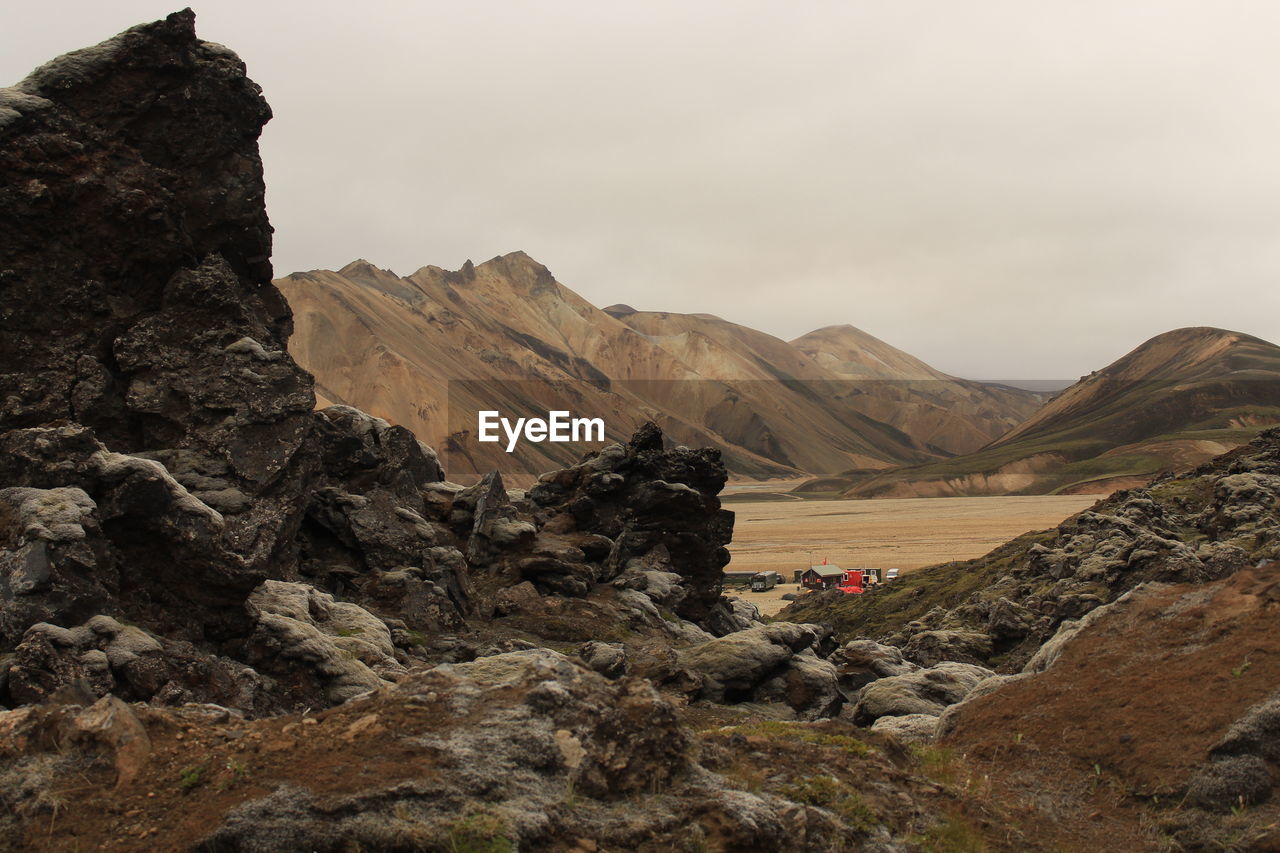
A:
<point x="785" y="535"/>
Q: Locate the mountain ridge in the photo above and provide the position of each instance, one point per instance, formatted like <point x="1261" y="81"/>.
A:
<point x="771" y="408"/>
<point x="1174" y="401"/>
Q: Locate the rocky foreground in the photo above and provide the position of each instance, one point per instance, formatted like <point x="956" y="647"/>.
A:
<point x="231" y="623"/>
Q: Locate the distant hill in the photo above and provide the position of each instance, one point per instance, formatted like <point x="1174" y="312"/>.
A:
<point x="1177" y="400"/>
<point x="948" y="414"/>
<point x="504" y="334"/>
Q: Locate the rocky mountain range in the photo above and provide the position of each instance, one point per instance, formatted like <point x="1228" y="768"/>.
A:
<point x="1177" y="400"/>
<point x="428" y="350"/>
<point x="230" y="621"/>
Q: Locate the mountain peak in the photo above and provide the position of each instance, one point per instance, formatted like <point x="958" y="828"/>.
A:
<point x="852" y="353"/>
<point x="1174" y="378"/>
<point x="360" y="267"/>
<point x="1182" y="352"/>
<point x="521" y="270"/>
<point x="836" y="329"/>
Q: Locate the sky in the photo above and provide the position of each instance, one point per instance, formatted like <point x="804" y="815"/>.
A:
<point x="1004" y="189"/>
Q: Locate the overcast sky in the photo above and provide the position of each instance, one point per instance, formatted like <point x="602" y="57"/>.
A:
<point x="1004" y="189"/>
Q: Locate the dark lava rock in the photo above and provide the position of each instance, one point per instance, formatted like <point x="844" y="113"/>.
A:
<point x="135" y="281"/>
<point x="160" y="462"/>
<point x="159" y="456"/>
<point x="660" y="508"/>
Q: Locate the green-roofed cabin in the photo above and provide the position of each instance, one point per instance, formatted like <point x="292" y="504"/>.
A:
<point x="821" y="577"/>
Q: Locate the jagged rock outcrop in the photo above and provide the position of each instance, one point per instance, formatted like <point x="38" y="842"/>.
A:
<point x="658" y="509"/>
<point x="159" y="456"/>
<point x="161" y="465"/>
<point x="138" y="307"/>
<point x="136" y="274"/>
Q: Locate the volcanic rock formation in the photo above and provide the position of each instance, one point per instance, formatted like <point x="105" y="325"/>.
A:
<point x="160" y="459"/>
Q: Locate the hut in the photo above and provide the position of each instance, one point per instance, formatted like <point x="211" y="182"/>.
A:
<point x="821" y="577"/>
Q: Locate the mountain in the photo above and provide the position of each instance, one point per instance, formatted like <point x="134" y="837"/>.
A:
<point x="430" y="349"/>
<point x="949" y="414"/>
<point x="1174" y="402"/>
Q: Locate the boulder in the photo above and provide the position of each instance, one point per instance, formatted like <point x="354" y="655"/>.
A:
<point x="1240" y="770"/>
<point x="925" y="691"/>
<point x="860" y="662"/>
<point x="929" y="648"/>
<point x="520" y="598"/>
<point x="339" y="650"/>
<point x="1009" y="622"/>
<point x="809" y="686"/>
<point x="765" y="663"/>
<point x="908" y="728"/>
<point x="366" y="453"/>
<point x="608" y="659"/>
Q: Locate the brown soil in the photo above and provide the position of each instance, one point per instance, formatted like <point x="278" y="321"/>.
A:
<point x="335" y="752"/>
<point x="198" y="771"/>
<point x="1132" y="707"/>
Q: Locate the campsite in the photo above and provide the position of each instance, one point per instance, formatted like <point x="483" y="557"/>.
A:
<point x="908" y="534"/>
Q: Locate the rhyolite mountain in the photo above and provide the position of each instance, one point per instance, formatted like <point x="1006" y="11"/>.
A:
<point x="507" y="332"/>
<point x="1174" y="402"/>
<point x="954" y="415"/>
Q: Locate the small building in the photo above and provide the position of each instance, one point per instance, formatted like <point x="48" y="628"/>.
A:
<point x="821" y="577"/>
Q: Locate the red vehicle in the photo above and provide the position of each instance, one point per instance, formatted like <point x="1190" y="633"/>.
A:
<point x="851" y="582"/>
